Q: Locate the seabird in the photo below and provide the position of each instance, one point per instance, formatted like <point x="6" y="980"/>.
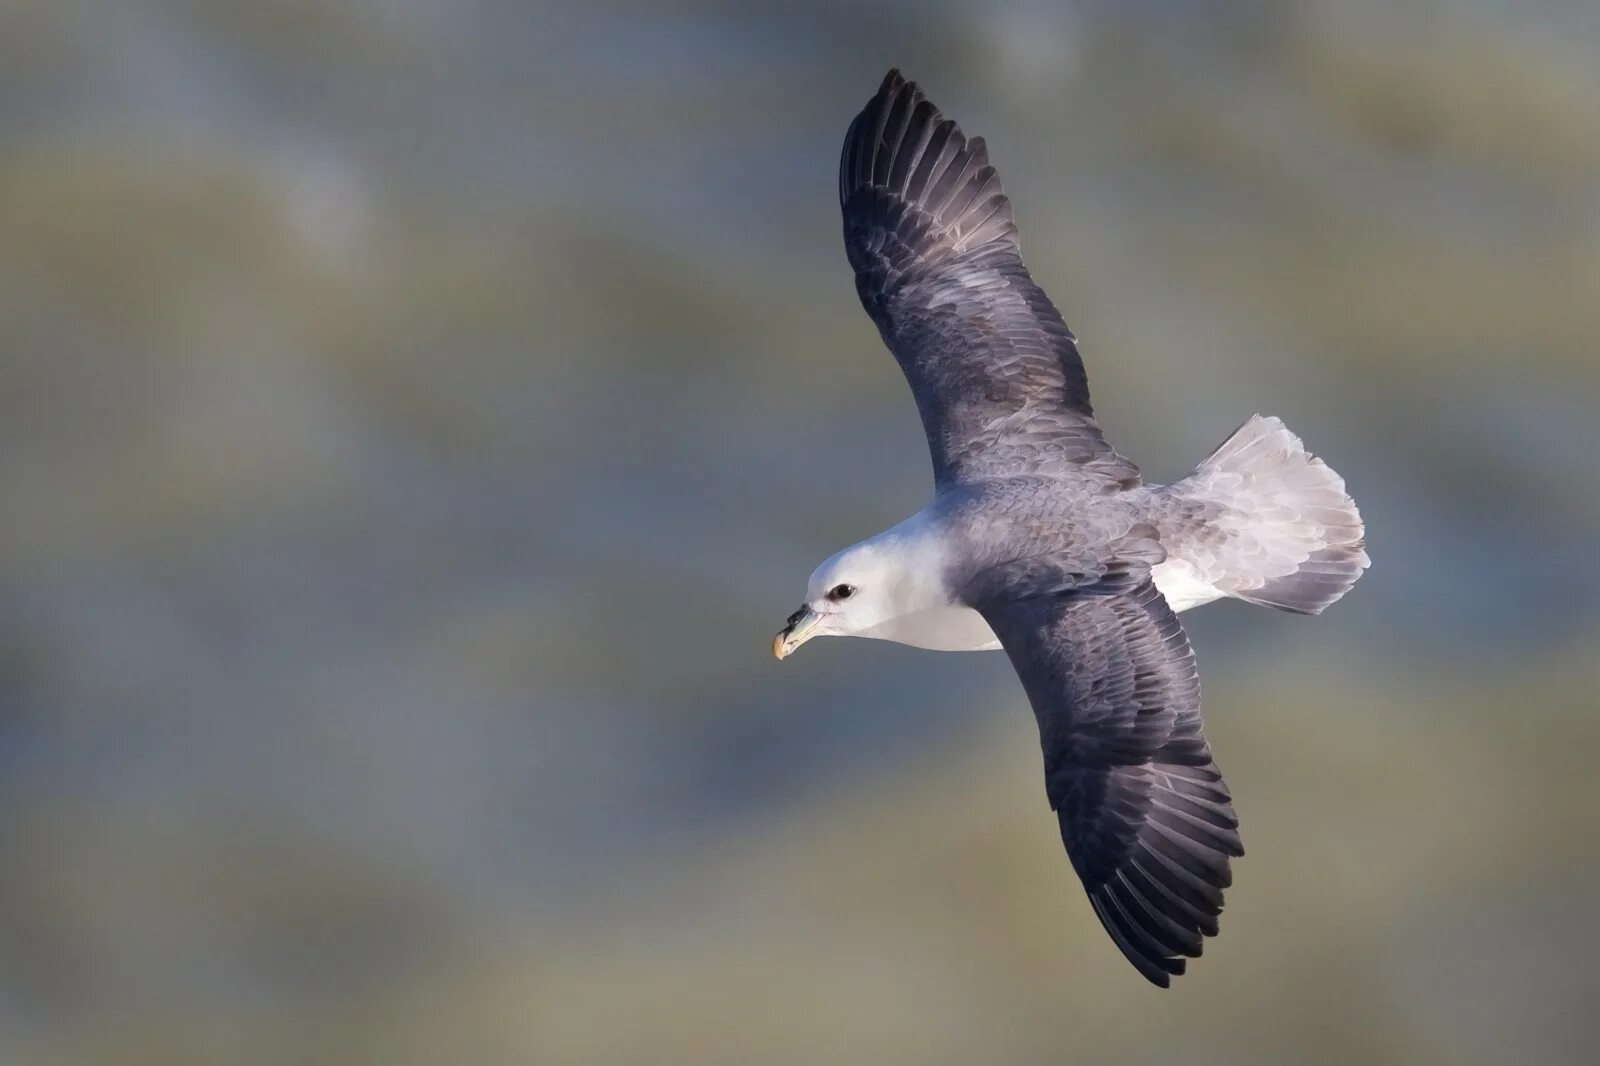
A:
<point x="1045" y="542"/>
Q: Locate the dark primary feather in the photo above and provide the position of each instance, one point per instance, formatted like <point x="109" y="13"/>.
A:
<point x="994" y="369"/>
<point x="1144" y="813"/>
<point x="1147" y="821"/>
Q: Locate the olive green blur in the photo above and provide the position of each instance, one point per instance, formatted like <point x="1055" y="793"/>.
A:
<point x="416" y="417"/>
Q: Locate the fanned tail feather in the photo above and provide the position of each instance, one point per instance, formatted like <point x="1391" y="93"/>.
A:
<point x="1295" y="540"/>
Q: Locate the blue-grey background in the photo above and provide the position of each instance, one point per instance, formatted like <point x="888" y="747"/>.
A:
<point x="417" y="416"/>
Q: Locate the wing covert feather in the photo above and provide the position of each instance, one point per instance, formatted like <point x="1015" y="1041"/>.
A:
<point x="995" y="371"/>
<point x="1145" y="816"/>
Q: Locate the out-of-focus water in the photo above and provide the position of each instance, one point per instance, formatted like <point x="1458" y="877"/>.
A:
<point x="416" y="417"/>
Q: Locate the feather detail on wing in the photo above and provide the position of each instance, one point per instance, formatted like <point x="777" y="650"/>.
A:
<point x="1146" y="818"/>
<point x="995" y="371"/>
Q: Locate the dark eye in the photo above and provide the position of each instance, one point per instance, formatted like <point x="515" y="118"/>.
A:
<point x="841" y="592"/>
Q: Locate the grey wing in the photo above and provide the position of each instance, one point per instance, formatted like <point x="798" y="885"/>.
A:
<point x="994" y="369"/>
<point x="1144" y="813"/>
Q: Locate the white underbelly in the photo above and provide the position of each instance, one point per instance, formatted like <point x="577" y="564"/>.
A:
<point x="1181" y="586"/>
<point x="955" y="628"/>
<point x="950" y="628"/>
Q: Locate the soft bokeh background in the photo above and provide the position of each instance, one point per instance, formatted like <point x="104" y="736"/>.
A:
<point x="416" y="417"/>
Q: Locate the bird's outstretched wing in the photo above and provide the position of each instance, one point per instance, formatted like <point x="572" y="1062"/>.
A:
<point x="1146" y="818"/>
<point x="994" y="369"/>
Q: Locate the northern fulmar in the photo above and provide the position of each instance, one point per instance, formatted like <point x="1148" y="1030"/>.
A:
<point x="1044" y="541"/>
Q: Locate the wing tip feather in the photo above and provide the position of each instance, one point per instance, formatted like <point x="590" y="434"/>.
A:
<point x="886" y="153"/>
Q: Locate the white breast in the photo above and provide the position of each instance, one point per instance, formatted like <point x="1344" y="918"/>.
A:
<point x="946" y="628"/>
<point x="953" y="628"/>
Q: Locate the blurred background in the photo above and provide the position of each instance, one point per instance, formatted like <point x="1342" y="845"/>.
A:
<point x="416" y="416"/>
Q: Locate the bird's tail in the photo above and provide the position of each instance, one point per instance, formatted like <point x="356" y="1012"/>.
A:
<point x="1292" y="538"/>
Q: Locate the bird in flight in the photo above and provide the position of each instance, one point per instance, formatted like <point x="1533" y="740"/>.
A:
<point x="1045" y="542"/>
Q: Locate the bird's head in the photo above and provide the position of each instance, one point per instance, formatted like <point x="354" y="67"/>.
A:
<point x="854" y="591"/>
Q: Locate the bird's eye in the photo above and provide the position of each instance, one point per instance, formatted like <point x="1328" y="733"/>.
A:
<point x="841" y="592"/>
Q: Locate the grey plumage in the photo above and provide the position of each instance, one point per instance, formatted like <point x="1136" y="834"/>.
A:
<point x="1062" y="548"/>
<point x="1147" y="821"/>
<point x="994" y="369"/>
<point x="1267" y="522"/>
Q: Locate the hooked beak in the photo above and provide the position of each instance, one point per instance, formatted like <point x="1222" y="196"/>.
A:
<point x="801" y="628"/>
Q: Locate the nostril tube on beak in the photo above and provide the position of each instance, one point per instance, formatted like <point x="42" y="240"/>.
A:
<point x="801" y="625"/>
